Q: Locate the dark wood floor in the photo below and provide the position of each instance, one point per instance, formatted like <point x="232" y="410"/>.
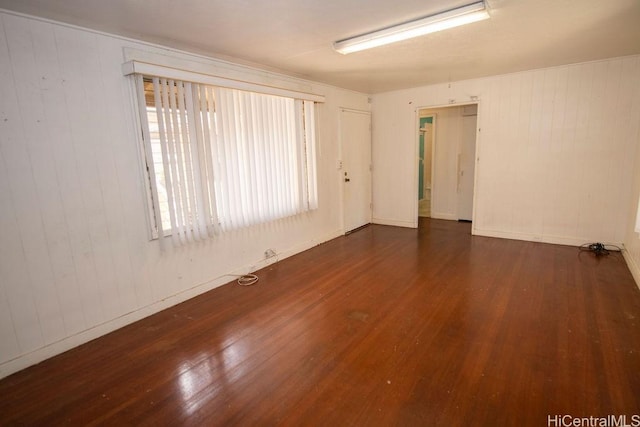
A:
<point x="386" y="326"/>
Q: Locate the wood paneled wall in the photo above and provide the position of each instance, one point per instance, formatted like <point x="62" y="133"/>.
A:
<point x="75" y="256"/>
<point x="556" y="150"/>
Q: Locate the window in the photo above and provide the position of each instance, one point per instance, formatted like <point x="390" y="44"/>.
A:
<point x="222" y="158"/>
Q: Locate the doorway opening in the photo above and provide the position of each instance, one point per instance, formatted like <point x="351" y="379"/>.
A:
<point x="425" y="162"/>
<point x="446" y="162"/>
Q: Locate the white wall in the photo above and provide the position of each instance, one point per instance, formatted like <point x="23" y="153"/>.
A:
<point x="632" y="239"/>
<point x="75" y="258"/>
<point x="556" y="151"/>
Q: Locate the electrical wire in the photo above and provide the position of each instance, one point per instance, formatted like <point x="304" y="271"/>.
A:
<point x="252" y="279"/>
<point x="247" y="280"/>
<point x="599" y="249"/>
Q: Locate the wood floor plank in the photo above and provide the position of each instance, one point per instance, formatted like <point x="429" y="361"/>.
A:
<point x="386" y="326"/>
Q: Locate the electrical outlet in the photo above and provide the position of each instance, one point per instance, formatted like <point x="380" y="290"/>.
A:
<point x="269" y="253"/>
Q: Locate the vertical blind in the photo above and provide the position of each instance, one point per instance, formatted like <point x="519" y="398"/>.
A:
<point x="220" y="159"/>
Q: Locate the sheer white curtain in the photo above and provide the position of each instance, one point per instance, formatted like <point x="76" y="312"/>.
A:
<point x="225" y="158"/>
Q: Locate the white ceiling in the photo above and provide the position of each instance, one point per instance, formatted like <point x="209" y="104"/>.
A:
<point x="296" y="36"/>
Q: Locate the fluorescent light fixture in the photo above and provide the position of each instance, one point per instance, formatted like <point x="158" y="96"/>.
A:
<point x="430" y="24"/>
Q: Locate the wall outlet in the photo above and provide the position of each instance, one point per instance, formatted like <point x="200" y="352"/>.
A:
<point x="269" y="253"/>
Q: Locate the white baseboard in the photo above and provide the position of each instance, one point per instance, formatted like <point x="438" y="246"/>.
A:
<point x="28" y="359"/>
<point x="395" y="222"/>
<point x="529" y="237"/>
<point x="447" y="216"/>
<point x="306" y="245"/>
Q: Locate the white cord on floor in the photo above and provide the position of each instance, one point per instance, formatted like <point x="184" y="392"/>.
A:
<point x="247" y="280"/>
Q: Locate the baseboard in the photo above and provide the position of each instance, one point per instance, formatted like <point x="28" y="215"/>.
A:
<point x="305" y="246"/>
<point x="447" y="216"/>
<point x="530" y="237"/>
<point x="382" y="221"/>
<point x="28" y="359"/>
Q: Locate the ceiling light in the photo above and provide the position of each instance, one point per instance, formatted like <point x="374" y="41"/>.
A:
<point x="429" y="24"/>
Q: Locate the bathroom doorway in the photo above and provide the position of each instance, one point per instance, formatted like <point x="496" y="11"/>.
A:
<point x="425" y="165"/>
<point x="446" y="161"/>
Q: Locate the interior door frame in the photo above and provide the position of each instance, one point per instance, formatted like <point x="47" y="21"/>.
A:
<point x="341" y="167"/>
<point x="434" y="119"/>
<point x="473" y="160"/>
<point x="416" y="127"/>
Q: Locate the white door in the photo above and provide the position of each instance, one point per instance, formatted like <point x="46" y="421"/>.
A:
<point x="355" y="141"/>
<point x="466" y="167"/>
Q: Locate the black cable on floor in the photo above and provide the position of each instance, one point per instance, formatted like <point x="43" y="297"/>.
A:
<point x="599" y="249"/>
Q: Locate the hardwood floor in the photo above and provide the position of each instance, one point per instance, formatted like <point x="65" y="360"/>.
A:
<point x="386" y="326"/>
